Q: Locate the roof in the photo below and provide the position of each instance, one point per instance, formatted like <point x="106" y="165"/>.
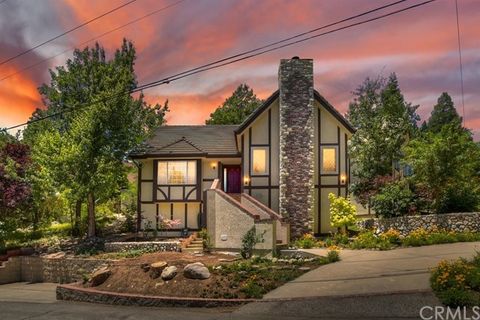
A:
<point x="188" y="140"/>
<point x="334" y="112"/>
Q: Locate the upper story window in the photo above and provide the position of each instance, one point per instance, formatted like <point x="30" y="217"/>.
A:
<point x="329" y="159"/>
<point x="259" y="165"/>
<point x="177" y="172"/>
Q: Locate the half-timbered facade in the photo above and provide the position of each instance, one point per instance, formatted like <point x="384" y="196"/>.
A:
<point x="287" y="155"/>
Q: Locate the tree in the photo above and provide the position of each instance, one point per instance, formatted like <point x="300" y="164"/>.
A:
<point x="14" y="189"/>
<point x="446" y="165"/>
<point x="443" y="113"/>
<point x="96" y="124"/>
<point x="384" y="122"/>
<point x="235" y="108"/>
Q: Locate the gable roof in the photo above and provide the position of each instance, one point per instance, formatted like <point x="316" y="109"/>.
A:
<point x="334" y="112"/>
<point x="182" y="140"/>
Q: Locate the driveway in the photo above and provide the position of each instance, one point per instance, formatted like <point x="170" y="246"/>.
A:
<point x="364" y="272"/>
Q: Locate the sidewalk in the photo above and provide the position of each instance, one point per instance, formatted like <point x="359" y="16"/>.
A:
<point x="364" y="272"/>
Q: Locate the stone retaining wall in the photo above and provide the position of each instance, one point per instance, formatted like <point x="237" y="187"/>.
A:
<point x="44" y="269"/>
<point x="150" y="245"/>
<point x="457" y="222"/>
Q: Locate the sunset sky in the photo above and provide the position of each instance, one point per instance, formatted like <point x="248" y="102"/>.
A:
<point x="419" y="45"/>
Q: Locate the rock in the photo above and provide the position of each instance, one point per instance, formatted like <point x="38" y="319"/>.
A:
<point x="196" y="270"/>
<point x="169" y="273"/>
<point x="156" y="269"/>
<point x="304" y="268"/>
<point x="99" y="277"/>
<point x="145" y="267"/>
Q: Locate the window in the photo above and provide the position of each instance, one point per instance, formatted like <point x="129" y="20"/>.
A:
<point x="259" y="165"/>
<point x="177" y="172"/>
<point x="329" y="159"/>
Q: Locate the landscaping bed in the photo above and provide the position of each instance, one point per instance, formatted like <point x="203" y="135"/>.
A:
<point x="229" y="277"/>
<point x="388" y="240"/>
<point x="457" y="283"/>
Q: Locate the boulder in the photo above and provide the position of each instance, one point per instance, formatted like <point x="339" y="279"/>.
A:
<point x="169" y="273"/>
<point x="156" y="269"/>
<point x="145" y="267"/>
<point x="196" y="270"/>
<point x="99" y="277"/>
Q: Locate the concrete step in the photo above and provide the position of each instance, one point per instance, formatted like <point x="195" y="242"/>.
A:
<point x="197" y="242"/>
<point x="195" y="246"/>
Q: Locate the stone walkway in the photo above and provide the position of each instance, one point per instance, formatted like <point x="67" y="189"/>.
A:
<point x="364" y="272"/>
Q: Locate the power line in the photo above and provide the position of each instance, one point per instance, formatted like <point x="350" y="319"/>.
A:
<point x="92" y="39"/>
<point x="66" y="32"/>
<point x="460" y="61"/>
<point x="222" y="62"/>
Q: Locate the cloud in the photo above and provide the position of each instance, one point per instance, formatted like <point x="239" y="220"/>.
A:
<point x="419" y="45"/>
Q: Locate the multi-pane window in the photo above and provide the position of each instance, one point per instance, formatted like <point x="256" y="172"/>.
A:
<point x="177" y="172"/>
<point x="259" y="164"/>
<point x="329" y="160"/>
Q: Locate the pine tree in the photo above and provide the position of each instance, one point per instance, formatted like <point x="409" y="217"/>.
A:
<point x="443" y="113"/>
<point x="235" y="108"/>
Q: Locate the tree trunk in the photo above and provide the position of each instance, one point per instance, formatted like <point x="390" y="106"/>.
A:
<point x="91" y="215"/>
<point x="78" y="217"/>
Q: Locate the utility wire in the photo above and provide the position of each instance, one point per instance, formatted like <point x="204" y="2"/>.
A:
<point x="66" y="32"/>
<point x="460" y="61"/>
<point x="222" y="62"/>
<point x="92" y="39"/>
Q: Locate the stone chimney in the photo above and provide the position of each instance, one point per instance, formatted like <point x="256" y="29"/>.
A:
<point x="295" y="82"/>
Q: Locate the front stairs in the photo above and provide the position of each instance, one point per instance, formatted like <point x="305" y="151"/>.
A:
<point x="195" y="247"/>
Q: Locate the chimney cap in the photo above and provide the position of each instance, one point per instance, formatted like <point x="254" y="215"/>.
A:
<point x="295" y="58"/>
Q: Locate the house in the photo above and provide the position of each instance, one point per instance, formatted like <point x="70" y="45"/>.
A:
<point x="274" y="171"/>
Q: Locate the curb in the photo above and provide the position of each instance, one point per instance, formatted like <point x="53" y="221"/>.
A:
<point x="71" y="292"/>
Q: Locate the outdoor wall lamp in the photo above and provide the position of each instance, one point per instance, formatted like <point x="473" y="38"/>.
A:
<point x="343" y="179"/>
<point x="246" y="180"/>
<point x="214" y="165"/>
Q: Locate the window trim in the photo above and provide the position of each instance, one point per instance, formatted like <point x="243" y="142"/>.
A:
<point x="267" y="161"/>
<point x="335" y="147"/>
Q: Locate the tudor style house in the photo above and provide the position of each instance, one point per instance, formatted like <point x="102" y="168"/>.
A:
<point x="274" y="171"/>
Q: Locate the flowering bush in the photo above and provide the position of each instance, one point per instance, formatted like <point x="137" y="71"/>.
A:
<point x="307" y="241"/>
<point x="342" y="212"/>
<point x="457" y="283"/>
<point x="391" y="235"/>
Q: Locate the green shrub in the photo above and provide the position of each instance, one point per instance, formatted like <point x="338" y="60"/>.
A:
<point x="394" y="199"/>
<point x="307" y="241"/>
<point x="333" y="256"/>
<point x="206" y="240"/>
<point x="342" y="212"/>
<point x="249" y="240"/>
<point x="459" y="198"/>
<point x="368" y="240"/>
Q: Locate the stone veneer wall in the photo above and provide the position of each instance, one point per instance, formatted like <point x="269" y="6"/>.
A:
<point x="150" y="245"/>
<point x="42" y="269"/>
<point x="457" y="222"/>
<point x="295" y="77"/>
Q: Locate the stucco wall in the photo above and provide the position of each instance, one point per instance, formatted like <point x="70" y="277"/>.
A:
<point x="227" y="224"/>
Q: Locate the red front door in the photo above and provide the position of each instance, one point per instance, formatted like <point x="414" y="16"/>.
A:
<point x="234" y="177"/>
